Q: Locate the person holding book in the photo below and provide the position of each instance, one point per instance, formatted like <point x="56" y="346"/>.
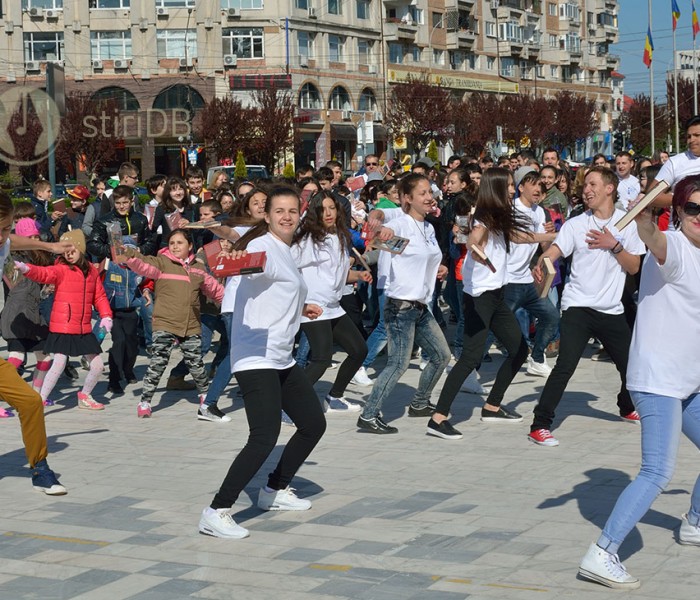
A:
<point x="179" y="279"/>
<point x="321" y="250"/>
<point x="663" y="379"/>
<point x="591" y="302"/>
<point x="407" y="316"/>
<point x="269" y="378"/>
<point x="496" y="227"/>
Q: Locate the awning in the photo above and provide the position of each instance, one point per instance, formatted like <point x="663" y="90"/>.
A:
<point x="343" y="132"/>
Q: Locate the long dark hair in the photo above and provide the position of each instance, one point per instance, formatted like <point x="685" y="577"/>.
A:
<point x="172" y="182"/>
<point x="312" y="223"/>
<point x="494" y="208"/>
<point x="83" y="264"/>
<point x="260" y="228"/>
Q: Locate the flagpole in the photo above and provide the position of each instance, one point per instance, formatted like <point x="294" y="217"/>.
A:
<point x="675" y="91"/>
<point x="651" y="89"/>
<point x="695" y="80"/>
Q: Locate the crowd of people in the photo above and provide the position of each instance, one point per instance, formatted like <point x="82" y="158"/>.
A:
<point x="386" y="263"/>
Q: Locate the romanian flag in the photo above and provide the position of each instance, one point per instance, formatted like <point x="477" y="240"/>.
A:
<point x="676" y="12"/>
<point x="696" y="25"/>
<point x="648" y="49"/>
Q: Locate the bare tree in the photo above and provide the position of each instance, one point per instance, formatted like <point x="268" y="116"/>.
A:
<point x="225" y="127"/>
<point x="272" y="126"/>
<point x="475" y="121"/>
<point x="572" y="117"/>
<point x="640" y="123"/>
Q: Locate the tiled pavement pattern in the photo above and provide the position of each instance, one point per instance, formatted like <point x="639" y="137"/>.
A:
<point x="394" y="517"/>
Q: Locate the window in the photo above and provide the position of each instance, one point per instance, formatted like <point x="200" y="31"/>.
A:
<point x="511" y="31"/>
<point x="124" y="98"/>
<point x="507" y="66"/>
<point x="170" y="43"/>
<point x="110" y="44"/>
<point x="472" y="61"/>
<point x="553" y="71"/>
<point x="179" y="96"/>
<point x="43" y="46"/>
<point x="416" y="54"/>
<point x="416" y="14"/>
<point x="490" y="29"/>
<point x="362" y="9"/>
<point x="395" y="53"/>
<point x="570" y="12"/>
<point x="438" y="57"/>
<point x="553" y="42"/>
<point x="335" y="48"/>
<point x="309" y="97"/>
<point x="457" y="60"/>
<point x="572" y="42"/>
<point x="368" y="101"/>
<point x="242" y="4"/>
<point x="174" y="3"/>
<point x="525" y="70"/>
<point x="305" y="42"/>
<point x="490" y="63"/>
<point x="335" y="7"/>
<point x="50" y="4"/>
<point x="302" y="4"/>
<point x="437" y="20"/>
<point x="340" y="99"/>
<point x="244" y="42"/>
<point x="552" y="9"/>
<point x="364" y="52"/>
<point x="539" y="69"/>
<point x="110" y="3"/>
<point x="607" y="19"/>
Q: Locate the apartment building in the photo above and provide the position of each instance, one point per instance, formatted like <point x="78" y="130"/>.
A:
<point x="338" y="57"/>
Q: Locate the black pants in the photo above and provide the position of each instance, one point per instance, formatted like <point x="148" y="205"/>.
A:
<point x="488" y="311"/>
<point x="577" y="326"/>
<point x="322" y="335"/>
<point x="352" y="305"/>
<point x="124" y="350"/>
<point x="266" y="392"/>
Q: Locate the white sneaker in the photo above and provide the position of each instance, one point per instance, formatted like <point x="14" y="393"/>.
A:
<point x="284" y="499"/>
<point x="219" y="523"/>
<point x="538" y="369"/>
<point x="361" y="378"/>
<point x="471" y="385"/>
<point x="340" y="405"/>
<point x="423" y="364"/>
<point x="688" y="534"/>
<point x="605" y="568"/>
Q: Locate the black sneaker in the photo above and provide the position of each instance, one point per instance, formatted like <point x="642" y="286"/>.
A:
<point x="421" y="411"/>
<point x="443" y="430"/>
<point x="375" y="425"/>
<point x="70" y="372"/>
<point x="115" y="389"/>
<point x="502" y="415"/>
<point x="45" y="480"/>
<point x="212" y="413"/>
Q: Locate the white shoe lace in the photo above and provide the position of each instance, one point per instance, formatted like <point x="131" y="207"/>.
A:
<point x="615" y="567"/>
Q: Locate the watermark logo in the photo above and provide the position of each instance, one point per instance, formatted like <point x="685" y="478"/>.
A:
<point x="27" y="118"/>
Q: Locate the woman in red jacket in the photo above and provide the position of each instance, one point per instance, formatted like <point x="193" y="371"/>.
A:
<point x="78" y="289"/>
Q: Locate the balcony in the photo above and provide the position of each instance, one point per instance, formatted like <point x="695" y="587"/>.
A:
<point x="396" y="29"/>
<point x="461" y="38"/>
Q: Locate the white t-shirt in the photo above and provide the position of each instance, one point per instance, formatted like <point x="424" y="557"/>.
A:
<point x="412" y="274"/>
<point x="268" y="310"/>
<point x="676" y="168"/>
<point x="627" y="190"/>
<point x="478" y="278"/>
<point x="4" y="253"/>
<point x="520" y="255"/>
<point x="663" y="355"/>
<point x="229" y="300"/>
<point x="597" y="279"/>
<point x="384" y="260"/>
<point x="324" y="268"/>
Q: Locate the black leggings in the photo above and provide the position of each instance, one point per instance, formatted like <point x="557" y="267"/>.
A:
<point x="488" y="311"/>
<point x="266" y="392"/>
<point x="321" y="336"/>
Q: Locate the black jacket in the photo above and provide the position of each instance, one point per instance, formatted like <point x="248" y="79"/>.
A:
<point x="134" y="224"/>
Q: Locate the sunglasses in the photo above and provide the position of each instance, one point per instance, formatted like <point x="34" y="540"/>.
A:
<point x="692" y="209"/>
<point x="371" y="164"/>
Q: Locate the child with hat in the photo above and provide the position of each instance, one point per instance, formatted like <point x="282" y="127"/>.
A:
<point x="78" y="289"/>
<point x="75" y="216"/>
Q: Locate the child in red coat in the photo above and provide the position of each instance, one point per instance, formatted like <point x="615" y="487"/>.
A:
<point x="78" y="289"/>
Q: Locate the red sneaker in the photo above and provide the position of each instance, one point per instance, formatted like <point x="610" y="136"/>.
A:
<point x="542" y="437"/>
<point x="143" y="410"/>
<point x="632" y="417"/>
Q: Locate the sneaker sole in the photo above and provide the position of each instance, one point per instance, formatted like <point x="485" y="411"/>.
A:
<point x="545" y="444"/>
<point x="500" y="420"/>
<point x="211" y="419"/>
<point x="444" y="436"/>
<point x="376" y="431"/>
<point x="344" y="410"/>
<point x="422" y="413"/>
<point x="91" y="408"/>
<point x="48" y="492"/>
<point x="204" y="530"/>
<point x="632" y="585"/>
<point x="537" y="374"/>
<point x="278" y="508"/>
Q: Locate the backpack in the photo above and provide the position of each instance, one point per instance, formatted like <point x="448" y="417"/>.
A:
<point x="121" y="286"/>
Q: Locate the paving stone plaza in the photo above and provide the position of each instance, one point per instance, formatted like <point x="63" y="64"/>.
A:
<point x="394" y="517"/>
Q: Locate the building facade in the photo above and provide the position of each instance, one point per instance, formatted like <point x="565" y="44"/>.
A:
<point x="338" y="57"/>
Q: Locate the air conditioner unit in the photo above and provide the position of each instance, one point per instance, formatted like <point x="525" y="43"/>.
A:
<point x="186" y="62"/>
<point x="230" y="60"/>
<point x="372" y="69"/>
<point x="51" y="14"/>
<point x="97" y="64"/>
<point x="121" y="63"/>
<point x="495" y="4"/>
<point x="232" y="13"/>
<point x="377" y="116"/>
<point x="312" y="12"/>
<point x="162" y="12"/>
<point x="346" y="115"/>
<point x="36" y="13"/>
<point x="303" y="61"/>
<point x="9" y="26"/>
<point x="32" y="65"/>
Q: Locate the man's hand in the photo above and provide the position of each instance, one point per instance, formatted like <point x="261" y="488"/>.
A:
<point x="600" y="240"/>
<point x="312" y="311"/>
<point x="442" y="272"/>
<point x="57" y="215"/>
<point x="549" y="227"/>
<point x="59" y="247"/>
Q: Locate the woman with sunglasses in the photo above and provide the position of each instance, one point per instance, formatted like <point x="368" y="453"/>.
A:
<point x="663" y="379"/>
<point x="321" y="250"/>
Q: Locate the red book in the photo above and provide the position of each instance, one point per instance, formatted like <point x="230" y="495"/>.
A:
<point x="355" y="183"/>
<point x="211" y="252"/>
<point x="173" y="220"/>
<point x="247" y="265"/>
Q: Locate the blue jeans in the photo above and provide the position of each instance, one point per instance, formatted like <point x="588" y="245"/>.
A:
<point x="377" y="339"/>
<point x="303" y="351"/>
<point x="524" y="295"/>
<point x="406" y="322"/>
<point x="223" y="372"/>
<point x="146" y="317"/>
<point x="663" y="419"/>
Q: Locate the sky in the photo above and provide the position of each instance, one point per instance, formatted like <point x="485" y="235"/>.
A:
<point x="633" y="19"/>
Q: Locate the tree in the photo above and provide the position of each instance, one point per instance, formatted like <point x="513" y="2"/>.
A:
<point x="273" y="131"/>
<point x="640" y="124"/>
<point x="432" y="153"/>
<point x="27" y="140"/>
<point x="685" y="103"/>
<point x="225" y="127"/>
<point x="240" y="173"/>
<point x="571" y="117"/>
<point x="85" y="136"/>
<point x="475" y="121"/>
<point x="288" y="172"/>
<point x="420" y="111"/>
